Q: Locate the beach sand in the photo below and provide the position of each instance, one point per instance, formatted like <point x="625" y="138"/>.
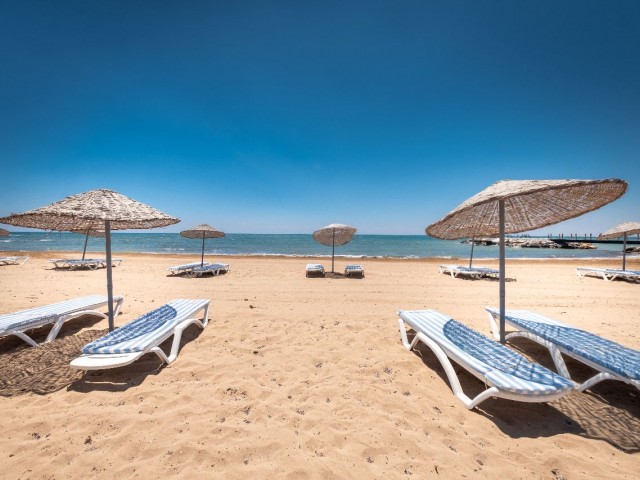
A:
<point x="306" y="378"/>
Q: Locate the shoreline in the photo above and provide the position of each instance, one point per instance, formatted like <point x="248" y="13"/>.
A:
<point x="69" y="254"/>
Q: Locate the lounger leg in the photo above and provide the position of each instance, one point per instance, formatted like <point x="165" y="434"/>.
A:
<point x="453" y="376"/>
<point x="24" y="337"/>
<point x="177" y="336"/>
<point x="448" y="368"/>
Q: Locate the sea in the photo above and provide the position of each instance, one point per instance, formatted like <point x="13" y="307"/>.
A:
<point x="293" y="245"/>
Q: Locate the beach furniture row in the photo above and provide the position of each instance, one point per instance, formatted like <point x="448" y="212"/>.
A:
<point x="317" y="269"/>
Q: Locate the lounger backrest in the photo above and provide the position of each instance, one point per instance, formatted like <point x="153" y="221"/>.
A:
<point x="138" y="335"/>
<point x="34" y="317"/>
<point x="611" y="355"/>
<point x="500" y="365"/>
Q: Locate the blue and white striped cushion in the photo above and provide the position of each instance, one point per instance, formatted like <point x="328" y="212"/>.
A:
<point x="356" y="268"/>
<point x="500" y="366"/>
<point x="39" y="316"/>
<point x="314" y="266"/>
<point x="611" y="355"/>
<point x="211" y="267"/>
<point x="142" y="333"/>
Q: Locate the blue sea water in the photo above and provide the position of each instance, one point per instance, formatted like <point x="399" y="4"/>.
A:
<point x="362" y="246"/>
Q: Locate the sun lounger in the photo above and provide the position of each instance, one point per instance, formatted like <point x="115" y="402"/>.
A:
<point x="187" y="267"/>
<point x="314" y="269"/>
<point x="353" y="270"/>
<point x="57" y="314"/>
<point x="212" y="268"/>
<point x="128" y="343"/>
<point x="76" y="264"/>
<point x="474" y="272"/>
<point x="506" y="373"/>
<point x="13" y="260"/>
<point x="608" y="274"/>
<point x="612" y="360"/>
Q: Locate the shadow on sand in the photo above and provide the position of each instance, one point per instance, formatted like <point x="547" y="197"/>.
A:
<point x="609" y="411"/>
<point x="45" y="369"/>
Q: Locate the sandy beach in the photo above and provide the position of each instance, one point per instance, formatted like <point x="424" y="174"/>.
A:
<point x="302" y="378"/>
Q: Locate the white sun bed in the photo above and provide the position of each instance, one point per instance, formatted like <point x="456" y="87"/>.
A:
<point x="474" y="272"/>
<point x="187" y="267"/>
<point x="612" y="360"/>
<point x="212" y="268"/>
<point x="76" y="264"/>
<point x="13" y="260"/>
<point x="57" y="314"/>
<point x="353" y="270"/>
<point x="314" y="269"/>
<point x="144" y="335"/>
<point x="608" y="274"/>
<point x="506" y="373"/>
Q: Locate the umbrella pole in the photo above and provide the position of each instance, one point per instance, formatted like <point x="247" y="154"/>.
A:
<point x="202" y="258"/>
<point x="86" y="239"/>
<point x="107" y="235"/>
<point x="473" y="242"/>
<point x="502" y="269"/>
<point x="624" y="253"/>
<point x="333" y="249"/>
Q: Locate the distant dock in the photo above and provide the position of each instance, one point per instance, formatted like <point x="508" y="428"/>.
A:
<point x="562" y="238"/>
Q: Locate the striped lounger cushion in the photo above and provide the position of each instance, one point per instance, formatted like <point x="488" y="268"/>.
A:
<point x="611" y="355"/>
<point x="144" y="332"/>
<point x="499" y="366"/>
<point x="39" y="316"/>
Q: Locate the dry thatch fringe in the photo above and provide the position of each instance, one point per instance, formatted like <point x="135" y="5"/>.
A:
<point x="628" y="228"/>
<point x="204" y="229"/>
<point x="529" y="204"/>
<point x="89" y="211"/>
<point x="343" y="234"/>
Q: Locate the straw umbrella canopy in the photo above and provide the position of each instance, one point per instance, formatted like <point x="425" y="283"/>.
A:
<point x="622" y="230"/>
<point x="94" y="210"/>
<point x="3" y="232"/>
<point x="334" y="235"/>
<point x="513" y="206"/>
<point x="202" y="231"/>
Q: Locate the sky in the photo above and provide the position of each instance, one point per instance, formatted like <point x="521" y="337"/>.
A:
<point x="284" y="116"/>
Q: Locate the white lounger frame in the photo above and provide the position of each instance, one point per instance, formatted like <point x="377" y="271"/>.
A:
<point x="212" y="268"/>
<point x="13" y="260"/>
<point x="112" y="360"/>
<point x="473" y="272"/>
<point x="608" y="274"/>
<point x="90" y="263"/>
<point x="556" y="352"/>
<point x="177" y="269"/>
<point x="314" y="268"/>
<point x="58" y="320"/>
<point x="445" y="355"/>
<point x="353" y="270"/>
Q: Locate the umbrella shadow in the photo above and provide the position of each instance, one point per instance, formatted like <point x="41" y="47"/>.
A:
<point x="43" y="369"/>
<point x="12" y="344"/>
<point x="129" y="376"/>
<point x="610" y="411"/>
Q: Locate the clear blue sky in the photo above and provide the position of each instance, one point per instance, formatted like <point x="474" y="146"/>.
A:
<point x="284" y="116"/>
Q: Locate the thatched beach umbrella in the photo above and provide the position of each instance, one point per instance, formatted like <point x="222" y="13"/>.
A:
<point x="513" y="206"/>
<point x="94" y="210"/>
<point x="334" y="235"/>
<point x="202" y="231"/>
<point x="622" y="230"/>
<point x="3" y="232"/>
